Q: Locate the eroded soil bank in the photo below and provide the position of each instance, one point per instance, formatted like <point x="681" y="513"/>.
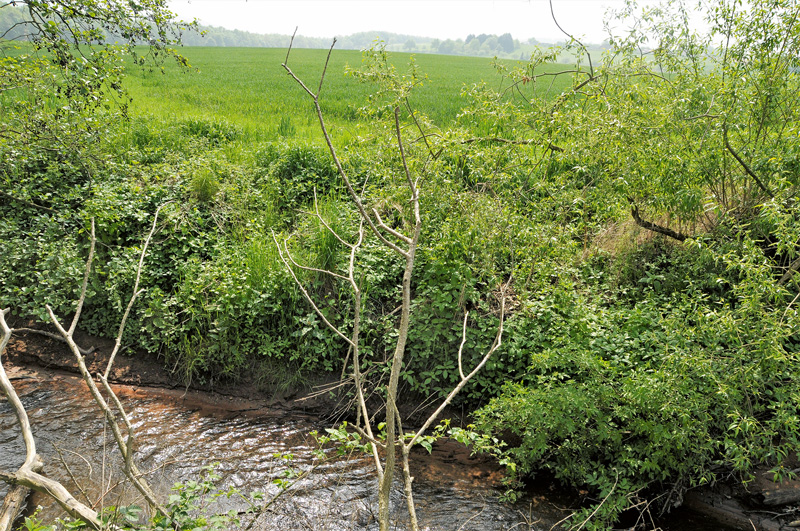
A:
<point x="763" y="505"/>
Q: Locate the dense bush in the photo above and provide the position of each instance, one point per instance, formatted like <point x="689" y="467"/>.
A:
<point x="634" y="397"/>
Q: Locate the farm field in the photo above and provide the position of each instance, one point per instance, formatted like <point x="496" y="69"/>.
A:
<point x="248" y="87"/>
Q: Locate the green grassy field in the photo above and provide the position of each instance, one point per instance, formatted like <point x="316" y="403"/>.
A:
<point x="249" y="88"/>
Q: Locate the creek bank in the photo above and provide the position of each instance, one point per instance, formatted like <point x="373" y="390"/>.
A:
<point x="237" y="397"/>
<point x="33" y="356"/>
<point x="763" y="505"/>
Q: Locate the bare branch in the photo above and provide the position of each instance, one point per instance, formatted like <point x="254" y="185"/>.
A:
<point x="304" y="292"/>
<point x="24" y="202"/>
<point x="71" y="475"/>
<point x="325" y="224"/>
<point x="499" y="140"/>
<point x="82" y="298"/>
<point x="13" y="399"/>
<point x="54" y="489"/>
<point x="355" y="197"/>
<point x="27" y="475"/>
<point x="666" y="231"/>
<point x="461" y="346"/>
<point x="498" y="341"/>
<point x="136" y="291"/>
<point x="411" y="183"/>
<point x="308" y="268"/>
<point x="130" y="469"/>
<point x="397" y="234"/>
<point x="586" y="51"/>
<point x="790" y="272"/>
<point x="325" y="69"/>
<point x="422" y="133"/>
<point x="51" y="335"/>
<point x="289" y="50"/>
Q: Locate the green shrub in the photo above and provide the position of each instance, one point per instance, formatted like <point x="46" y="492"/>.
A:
<point x="216" y="132"/>
<point x="204" y="185"/>
<point x="632" y="400"/>
<point x="295" y="172"/>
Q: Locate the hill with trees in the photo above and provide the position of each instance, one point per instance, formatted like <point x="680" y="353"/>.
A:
<point x="482" y="45"/>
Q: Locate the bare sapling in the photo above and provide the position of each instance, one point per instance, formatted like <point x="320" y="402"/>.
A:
<point x="404" y="244"/>
<point x="27" y="475"/>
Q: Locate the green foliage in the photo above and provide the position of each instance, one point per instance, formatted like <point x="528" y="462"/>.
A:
<point x="630" y="398"/>
<point x="633" y="364"/>
<point x="296" y="172"/>
<point x="192" y="504"/>
<point x="204" y="185"/>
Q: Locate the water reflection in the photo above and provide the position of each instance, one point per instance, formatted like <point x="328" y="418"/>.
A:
<point x="175" y="442"/>
<point x="176" y="439"/>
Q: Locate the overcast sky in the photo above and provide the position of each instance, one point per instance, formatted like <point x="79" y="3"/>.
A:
<point x="443" y="19"/>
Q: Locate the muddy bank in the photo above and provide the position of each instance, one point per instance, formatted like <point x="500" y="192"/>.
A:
<point x="32" y="350"/>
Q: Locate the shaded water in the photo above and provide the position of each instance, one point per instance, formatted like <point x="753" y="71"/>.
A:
<point x="176" y="440"/>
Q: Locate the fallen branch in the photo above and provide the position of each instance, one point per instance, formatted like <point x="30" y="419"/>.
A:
<point x="13" y="504"/>
<point x="51" y="335"/>
<point x="27" y="476"/>
<point x="666" y="231"/>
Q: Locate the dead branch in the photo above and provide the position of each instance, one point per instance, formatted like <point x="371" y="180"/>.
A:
<point x="13" y="505"/>
<point x="498" y="341"/>
<point x="125" y="446"/>
<point x="666" y="231"/>
<point x="71" y="475"/>
<point x="585" y="50"/>
<point x="27" y="476"/>
<point x="353" y="195"/>
<point x="136" y="292"/>
<point x="51" y="335"/>
<point x="395" y="434"/>
<point x="24" y="202"/>
<point x="286" y="259"/>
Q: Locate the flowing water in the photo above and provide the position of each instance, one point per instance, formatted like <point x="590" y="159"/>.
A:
<point x="176" y="439"/>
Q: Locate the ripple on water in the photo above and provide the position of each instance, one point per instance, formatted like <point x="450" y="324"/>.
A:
<point x="175" y="443"/>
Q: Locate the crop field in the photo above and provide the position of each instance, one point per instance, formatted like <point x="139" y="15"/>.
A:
<point x="249" y="88"/>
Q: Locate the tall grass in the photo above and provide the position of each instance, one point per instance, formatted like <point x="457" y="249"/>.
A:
<point x="249" y="88"/>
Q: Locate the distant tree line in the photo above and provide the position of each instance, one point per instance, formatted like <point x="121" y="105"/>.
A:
<point x="474" y="45"/>
<point x="483" y="45"/>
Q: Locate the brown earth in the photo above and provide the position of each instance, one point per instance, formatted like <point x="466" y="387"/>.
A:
<point x="36" y="352"/>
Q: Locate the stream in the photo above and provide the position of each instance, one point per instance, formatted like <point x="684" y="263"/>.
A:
<point x="177" y="438"/>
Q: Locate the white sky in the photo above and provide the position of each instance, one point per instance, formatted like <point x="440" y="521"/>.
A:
<point x="443" y="19"/>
